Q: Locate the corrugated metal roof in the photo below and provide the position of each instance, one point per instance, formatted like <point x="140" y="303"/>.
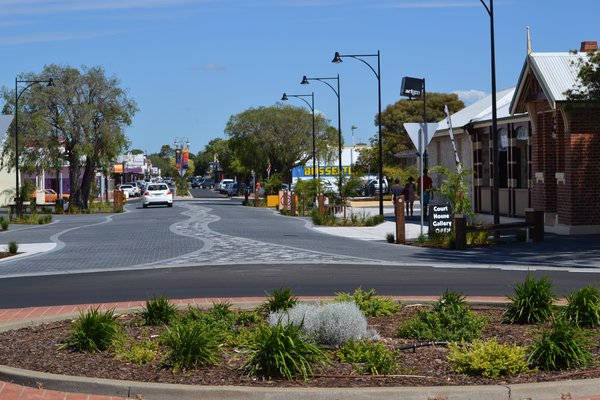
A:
<point x="480" y="111"/>
<point x="556" y="72"/>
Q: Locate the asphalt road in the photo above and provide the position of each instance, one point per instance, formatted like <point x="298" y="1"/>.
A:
<point x="214" y="247"/>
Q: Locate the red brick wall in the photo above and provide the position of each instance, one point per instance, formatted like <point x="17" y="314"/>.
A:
<point x="544" y="159"/>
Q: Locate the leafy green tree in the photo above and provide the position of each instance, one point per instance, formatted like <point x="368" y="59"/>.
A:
<point x="395" y="139"/>
<point x="79" y="122"/>
<point x="588" y="85"/>
<point x="279" y="135"/>
<point x="455" y="187"/>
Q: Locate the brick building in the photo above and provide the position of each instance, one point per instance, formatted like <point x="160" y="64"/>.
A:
<point x="565" y="141"/>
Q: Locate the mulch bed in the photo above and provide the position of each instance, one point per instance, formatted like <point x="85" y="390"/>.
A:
<point x="36" y="348"/>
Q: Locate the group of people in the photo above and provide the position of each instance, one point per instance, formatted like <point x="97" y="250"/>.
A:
<point x="407" y="192"/>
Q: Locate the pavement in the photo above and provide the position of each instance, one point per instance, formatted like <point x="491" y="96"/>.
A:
<point x="20" y="385"/>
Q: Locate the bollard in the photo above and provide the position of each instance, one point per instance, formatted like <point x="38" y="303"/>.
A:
<point x="400" y="223"/>
<point x="535" y="218"/>
<point x="321" y="204"/>
<point x="293" y="204"/>
<point x="460" y="232"/>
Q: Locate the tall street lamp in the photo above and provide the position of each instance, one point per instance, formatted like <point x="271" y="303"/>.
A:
<point x="338" y="59"/>
<point x="182" y="146"/>
<point x="494" y="133"/>
<point x="312" y="108"/>
<point x="305" y="81"/>
<point x="48" y="82"/>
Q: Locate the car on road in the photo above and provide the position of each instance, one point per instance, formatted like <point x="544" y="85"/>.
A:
<point x="223" y="185"/>
<point x="50" y="196"/>
<point x="208" y="183"/>
<point x="197" y="182"/>
<point x="157" y="194"/>
<point x="232" y="189"/>
<point x="372" y="187"/>
<point x="128" y="189"/>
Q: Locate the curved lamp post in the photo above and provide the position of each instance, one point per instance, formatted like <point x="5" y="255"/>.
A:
<point x="180" y="161"/>
<point x="305" y="81"/>
<point x="338" y="59"/>
<point x="48" y="82"/>
<point x="495" y="146"/>
<point x="311" y="105"/>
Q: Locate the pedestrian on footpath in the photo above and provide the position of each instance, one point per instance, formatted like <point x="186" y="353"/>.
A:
<point x="427" y="183"/>
<point x="396" y="190"/>
<point x="409" y="195"/>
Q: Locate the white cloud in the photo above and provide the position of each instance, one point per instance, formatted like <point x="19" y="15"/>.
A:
<point x="470" y="96"/>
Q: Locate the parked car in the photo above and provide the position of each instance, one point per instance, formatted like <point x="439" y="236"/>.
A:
<point x="137" y="190"/>
<point x="232" y="189"/>
<point x="197" y="182"/>
<point x="372" y="187"/>
<point x="128" y="189"/>
<point x="50" y="196"/>
<point x="329" y="187"/>
<point x="208" y="183"/>
<point x="222" y="184"/>
<point x="157" y="193"/>
<point x="225" y="187"/>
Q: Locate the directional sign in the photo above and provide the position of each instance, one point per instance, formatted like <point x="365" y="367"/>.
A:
<point x="414" y="130"/>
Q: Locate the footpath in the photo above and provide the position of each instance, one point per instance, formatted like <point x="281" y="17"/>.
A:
<point x="29" y="385"/>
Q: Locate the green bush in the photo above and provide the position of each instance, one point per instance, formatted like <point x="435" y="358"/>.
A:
<point x="369" y="304"/>
<point x="532" y="302"/>
<point x="389" y="237"/>
<point x="158" y="311"/>
<point x="368" y="357"/>
<point x="561" y="347"/>
<point x="190" y="344"/>
<point x="13" y="247"/>
<point x="583" y="307"/>
<point x="488" y="359"/>
<point x="281" y="351"/>
<point x="449" y="320"/>
<point x="279" y="300"/>
<point x="3" y="223"/>
<point x="138" y="352"/>
<point x="93" y="331"/>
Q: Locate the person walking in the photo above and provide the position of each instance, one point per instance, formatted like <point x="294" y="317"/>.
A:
<point x="427" y="183"/>
<point x="409" y="196"/>
<point x="396" y="190"/>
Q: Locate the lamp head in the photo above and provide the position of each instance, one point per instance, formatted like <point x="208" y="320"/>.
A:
<point x="304" y="80"/>
<point x="336" y="58"/>
<point x="284" y="97"/>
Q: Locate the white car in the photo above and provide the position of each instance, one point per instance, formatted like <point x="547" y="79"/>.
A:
<point x="128" y="189"/>
<point x="222" y="184"/>
<point x="157" y="193"/>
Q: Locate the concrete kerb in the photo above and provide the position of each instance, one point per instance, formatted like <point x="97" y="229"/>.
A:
<point x="584" y="389"/>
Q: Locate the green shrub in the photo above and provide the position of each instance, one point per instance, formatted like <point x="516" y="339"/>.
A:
<point x="583" y="307"/>
<point x="281" y="351"/>
<point x="561" y="347"/>
<point x="450" y="299"/>
<point x="390" y="237"/>
<point x="488" y="359"/>
<point x="4" y="224"/>
<point x="93" y="331"/>
<point x="138" y="352"/>
<point x="158" y="311"/>
<point x="369" y="304"/>
<point x="190" y="344"/>
<point x="368" y="357"/>
<point x="532" y="302"/>
<point x="447" y="322"/>
<point x="279" y="300"/>
<point x="13" y="247"/>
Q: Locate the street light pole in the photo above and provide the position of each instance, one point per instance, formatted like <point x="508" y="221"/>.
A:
<point x="305" y="81"/>
<point x="494" y="133"/>
<point x="338" y="59"/>
<point x="311" y="105"/>
<point x="48" y="82"/>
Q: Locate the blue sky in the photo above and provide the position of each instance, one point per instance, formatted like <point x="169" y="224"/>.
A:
<point x="191" y="64"/>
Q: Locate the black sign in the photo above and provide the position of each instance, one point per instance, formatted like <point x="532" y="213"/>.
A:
<point x="440" y="218"/>
<point x="411" y="87"/>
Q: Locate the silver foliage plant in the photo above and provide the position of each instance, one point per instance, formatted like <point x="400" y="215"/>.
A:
<point x="330" y="323"/>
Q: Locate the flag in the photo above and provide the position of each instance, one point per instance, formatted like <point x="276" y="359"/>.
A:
<point x="451" y="133"/>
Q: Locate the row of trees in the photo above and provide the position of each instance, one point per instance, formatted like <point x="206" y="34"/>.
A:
<point x="78" y="122"/>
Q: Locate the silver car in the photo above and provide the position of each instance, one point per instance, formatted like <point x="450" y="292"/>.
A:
<point x="157" y="193"/>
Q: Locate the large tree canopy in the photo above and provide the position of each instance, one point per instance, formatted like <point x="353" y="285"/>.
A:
<point x="395" y="139"/>
<point x="78" y="122"/>
<point x="279" y="135"/>
<point x="588" y="85"/>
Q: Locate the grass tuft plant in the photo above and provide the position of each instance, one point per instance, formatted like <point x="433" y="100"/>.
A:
<point x="583" y="307"/>
<point x="190" y="344"/>
<point x="370" y="304"/>
<point x="279" y="300"/>
<point x="561" y="347"/>
<point x="390" y="238"/>
<point x="158" y="311"/>
<point x="281" y="351"/>
<point x="93" y="331"/>
<point x="13" y="247"/>
<point x="532" y="303"/>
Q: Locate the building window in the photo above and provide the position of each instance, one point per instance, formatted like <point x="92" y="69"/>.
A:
<point x="485" y="158"/>
<point x="520" y="157"/>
